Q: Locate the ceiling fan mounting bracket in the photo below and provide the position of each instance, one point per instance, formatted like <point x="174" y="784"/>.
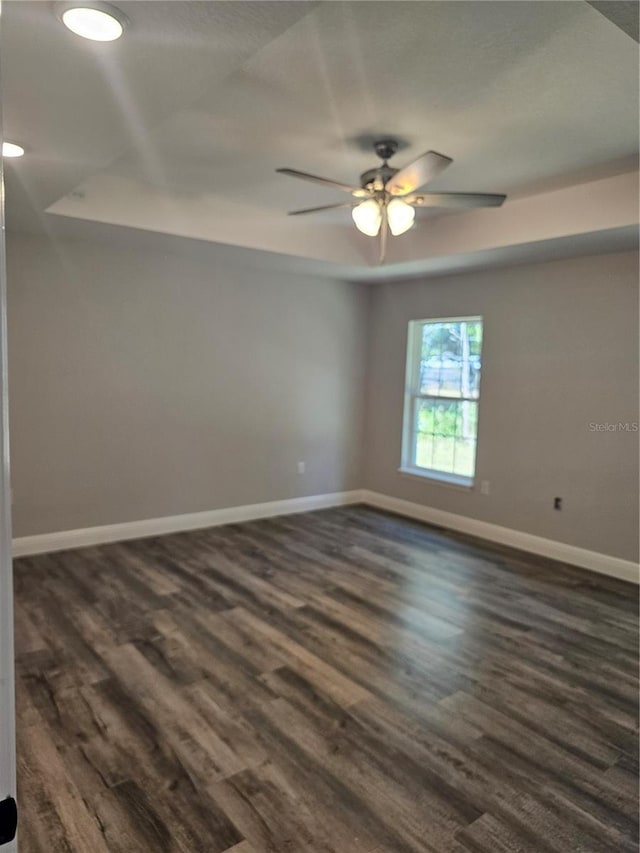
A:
<point x="385" y="148"/>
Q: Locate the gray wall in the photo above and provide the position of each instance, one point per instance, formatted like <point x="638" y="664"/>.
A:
<point x="145" y="384"/>
<point x="560" y="352"/>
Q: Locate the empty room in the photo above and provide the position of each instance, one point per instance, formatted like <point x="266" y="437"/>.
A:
<point x="319" y="492"/>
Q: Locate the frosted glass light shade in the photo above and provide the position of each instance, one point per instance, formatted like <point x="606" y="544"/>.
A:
<point x="367" y="217"/>
<point x="400" y="216"/>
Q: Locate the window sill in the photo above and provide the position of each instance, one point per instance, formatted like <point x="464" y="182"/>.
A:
<point x="438" y="477"/>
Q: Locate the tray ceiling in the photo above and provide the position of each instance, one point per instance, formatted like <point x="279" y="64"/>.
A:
<point x="177" y="128"/>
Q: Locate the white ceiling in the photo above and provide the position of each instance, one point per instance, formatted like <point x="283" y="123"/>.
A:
<point x="178" y="127"/>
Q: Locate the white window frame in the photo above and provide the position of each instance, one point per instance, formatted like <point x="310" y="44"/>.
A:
<point x="412" y="393"/>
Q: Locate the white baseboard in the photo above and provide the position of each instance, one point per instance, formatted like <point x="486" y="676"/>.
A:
<point x="593" y="560"/>
<point x="66" y="539"/>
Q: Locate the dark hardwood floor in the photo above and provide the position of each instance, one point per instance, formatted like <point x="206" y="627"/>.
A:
<point x="338" y="682"/>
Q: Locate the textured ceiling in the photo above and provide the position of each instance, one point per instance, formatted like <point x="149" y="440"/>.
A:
<point x="178" y="127"/>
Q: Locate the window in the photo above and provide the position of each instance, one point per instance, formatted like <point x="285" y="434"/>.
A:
<point x="441" y="398"/>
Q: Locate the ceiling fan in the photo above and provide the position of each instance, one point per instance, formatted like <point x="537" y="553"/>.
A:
<point x="386" y="199"/>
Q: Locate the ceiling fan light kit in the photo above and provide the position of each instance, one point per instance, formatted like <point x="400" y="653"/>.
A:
<point x="368" y="216"/>
<point x="386" y="199"/>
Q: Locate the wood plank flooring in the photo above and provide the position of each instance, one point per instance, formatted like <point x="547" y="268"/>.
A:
<point x="343" y="681"/>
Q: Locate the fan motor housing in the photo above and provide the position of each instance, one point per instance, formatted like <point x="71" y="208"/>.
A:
<point x="379" y="175"/>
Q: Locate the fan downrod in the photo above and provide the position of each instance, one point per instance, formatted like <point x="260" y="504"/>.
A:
<point x="378" y="177"/>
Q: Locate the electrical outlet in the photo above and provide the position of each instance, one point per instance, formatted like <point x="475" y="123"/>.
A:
<point x="557" y="503"/>
<point x="302" y="467"/>
<point x="485" y="487"/>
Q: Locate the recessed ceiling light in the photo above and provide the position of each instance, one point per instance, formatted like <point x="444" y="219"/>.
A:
<point x="10" y="149"/>
<point x="95" y="21"/>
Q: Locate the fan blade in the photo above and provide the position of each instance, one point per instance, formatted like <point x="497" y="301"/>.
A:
<point x="417" y="174"/>
<point x="324" y="207"/>
<point x="456" y="200"/>
<point x="384" y="231"/>
<point x="327" y="182"/>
